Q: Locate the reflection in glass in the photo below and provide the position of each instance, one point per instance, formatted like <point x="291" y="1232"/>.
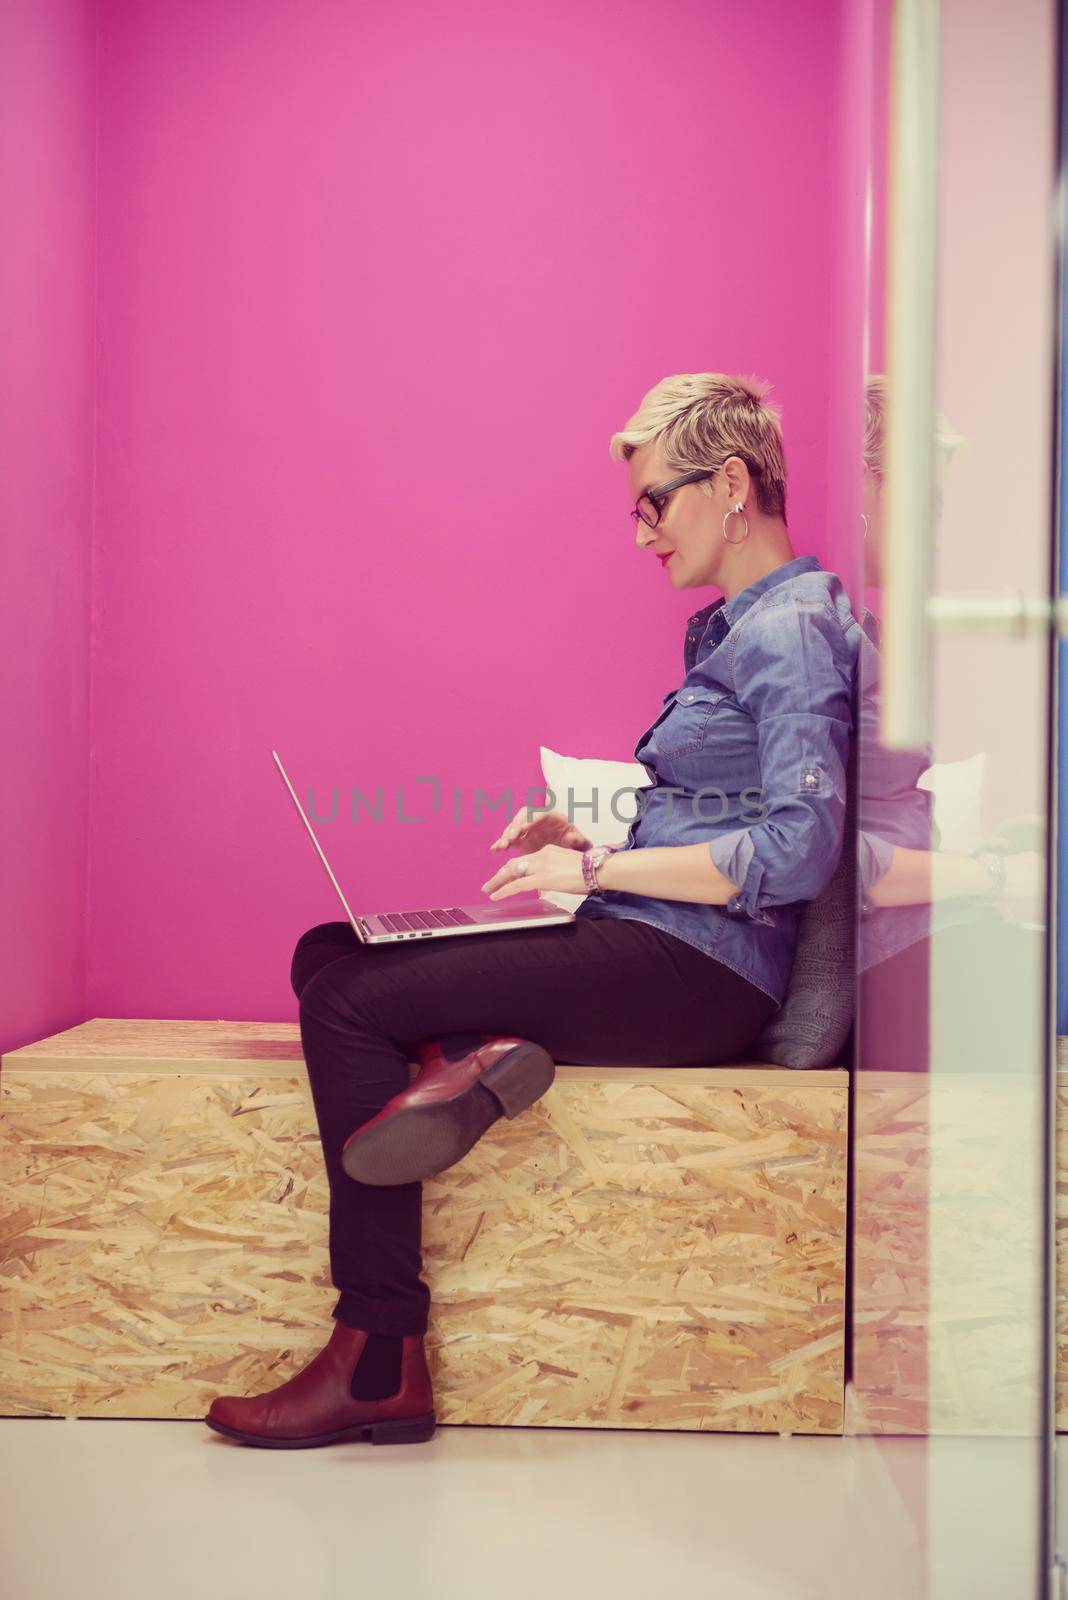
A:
<point x="952" y="1029"/>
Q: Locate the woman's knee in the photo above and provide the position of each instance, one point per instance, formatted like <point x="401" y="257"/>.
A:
<point x="317" y="989"/>
<point x="327" y="933"/>
<point x="358" y="993"/>
<point x="316" y="949"/>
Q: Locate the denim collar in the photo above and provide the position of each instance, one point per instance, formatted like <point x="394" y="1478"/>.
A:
<point x="733" y="609"/>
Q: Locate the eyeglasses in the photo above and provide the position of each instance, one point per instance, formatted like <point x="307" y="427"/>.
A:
<point x="650" y="505"/>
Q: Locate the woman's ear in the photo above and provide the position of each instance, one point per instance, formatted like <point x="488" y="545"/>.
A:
<point x="736" y="474"/>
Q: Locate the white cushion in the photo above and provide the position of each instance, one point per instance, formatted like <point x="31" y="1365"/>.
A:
<point x="575" y="783"/>
<point x="957" y="787"/>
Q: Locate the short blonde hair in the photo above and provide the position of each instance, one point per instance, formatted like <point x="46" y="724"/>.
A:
<point x="947" y="440"/>
<point x="698" y="419"/>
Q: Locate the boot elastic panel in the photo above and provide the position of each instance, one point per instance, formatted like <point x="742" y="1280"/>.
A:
<point x="377" y="1374"/>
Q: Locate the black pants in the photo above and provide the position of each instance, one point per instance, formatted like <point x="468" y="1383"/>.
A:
<point x="593" y="991"/>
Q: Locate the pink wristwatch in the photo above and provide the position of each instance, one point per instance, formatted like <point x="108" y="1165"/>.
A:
<point x="591" y="860"/>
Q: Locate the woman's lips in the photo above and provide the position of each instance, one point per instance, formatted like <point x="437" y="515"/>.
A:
<point x="665" y="556"/>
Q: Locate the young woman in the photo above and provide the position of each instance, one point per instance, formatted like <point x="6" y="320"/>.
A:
<point x="679" y="955"/>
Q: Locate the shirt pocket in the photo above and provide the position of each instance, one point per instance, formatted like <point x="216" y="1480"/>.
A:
<point x="688" y="724"/>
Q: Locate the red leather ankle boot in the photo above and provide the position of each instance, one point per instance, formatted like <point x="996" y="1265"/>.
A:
<point x="464" y="1084"/>
<point x="316" y="1406"/>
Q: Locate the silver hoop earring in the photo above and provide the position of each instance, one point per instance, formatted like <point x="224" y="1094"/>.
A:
<point x="736" y="511"/>
<point x="866" y="523"/>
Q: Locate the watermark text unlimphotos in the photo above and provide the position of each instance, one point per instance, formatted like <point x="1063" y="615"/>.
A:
<point x="708" y="804"/>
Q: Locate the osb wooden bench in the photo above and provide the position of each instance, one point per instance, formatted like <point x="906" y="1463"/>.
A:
<point x="644" y="1248"/>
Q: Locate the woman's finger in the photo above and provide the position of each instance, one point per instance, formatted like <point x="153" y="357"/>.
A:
<point x="506" y="839"/>
<point x="513" y="886"/>
<point x="514" y="833"/>
<point x="502" y="875"/>
<point x="510" y="873"/>
<point x="508" y="829"/>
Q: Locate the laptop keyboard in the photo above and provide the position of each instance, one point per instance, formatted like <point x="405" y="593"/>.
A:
<point x="409" y="921"/>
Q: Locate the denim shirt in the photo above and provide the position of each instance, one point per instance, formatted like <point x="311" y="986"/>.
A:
<point x="748" y="757"/>
<point x="892" y="810"/>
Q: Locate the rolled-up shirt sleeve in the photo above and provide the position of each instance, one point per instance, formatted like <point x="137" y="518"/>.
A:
<point x="793" y="675"/>
<point x="875" y="856"/>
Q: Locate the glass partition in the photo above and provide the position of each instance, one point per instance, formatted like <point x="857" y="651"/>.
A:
<point x="954" y="1028"/>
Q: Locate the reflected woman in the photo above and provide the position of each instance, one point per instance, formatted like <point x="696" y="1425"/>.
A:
<point x="918" y="887"/>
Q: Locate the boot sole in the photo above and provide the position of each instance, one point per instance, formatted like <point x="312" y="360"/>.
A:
<point x="398" y="1430"/>
<point x="421" y="1141"/>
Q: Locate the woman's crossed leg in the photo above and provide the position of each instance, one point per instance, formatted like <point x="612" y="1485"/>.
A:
<point x="596" y="991"/>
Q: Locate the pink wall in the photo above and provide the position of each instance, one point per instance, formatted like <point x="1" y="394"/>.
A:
<point x="361" y="284"/>
<point x="846" y="320"/>
<point x="375" y="289"/>
<point x="47" y="178"/>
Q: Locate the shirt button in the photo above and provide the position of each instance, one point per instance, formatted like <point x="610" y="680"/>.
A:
<point x="687" y="697"/>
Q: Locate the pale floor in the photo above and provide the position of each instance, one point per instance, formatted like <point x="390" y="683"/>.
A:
<point x="170" y="1509"/>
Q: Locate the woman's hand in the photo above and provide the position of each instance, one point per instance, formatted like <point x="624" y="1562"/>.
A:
<point x="554" y="866"/>
<point x="552" y="828"/>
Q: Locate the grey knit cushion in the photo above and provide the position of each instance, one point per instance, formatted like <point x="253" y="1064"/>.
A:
<point x="813" y="1022"/>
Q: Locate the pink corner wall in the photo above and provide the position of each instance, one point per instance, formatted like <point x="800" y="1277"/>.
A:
<point x="375" y="288"/>
<point x="47" y="282"/>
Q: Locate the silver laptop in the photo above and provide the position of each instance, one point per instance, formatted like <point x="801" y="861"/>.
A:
<point x="442" y="922"/>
